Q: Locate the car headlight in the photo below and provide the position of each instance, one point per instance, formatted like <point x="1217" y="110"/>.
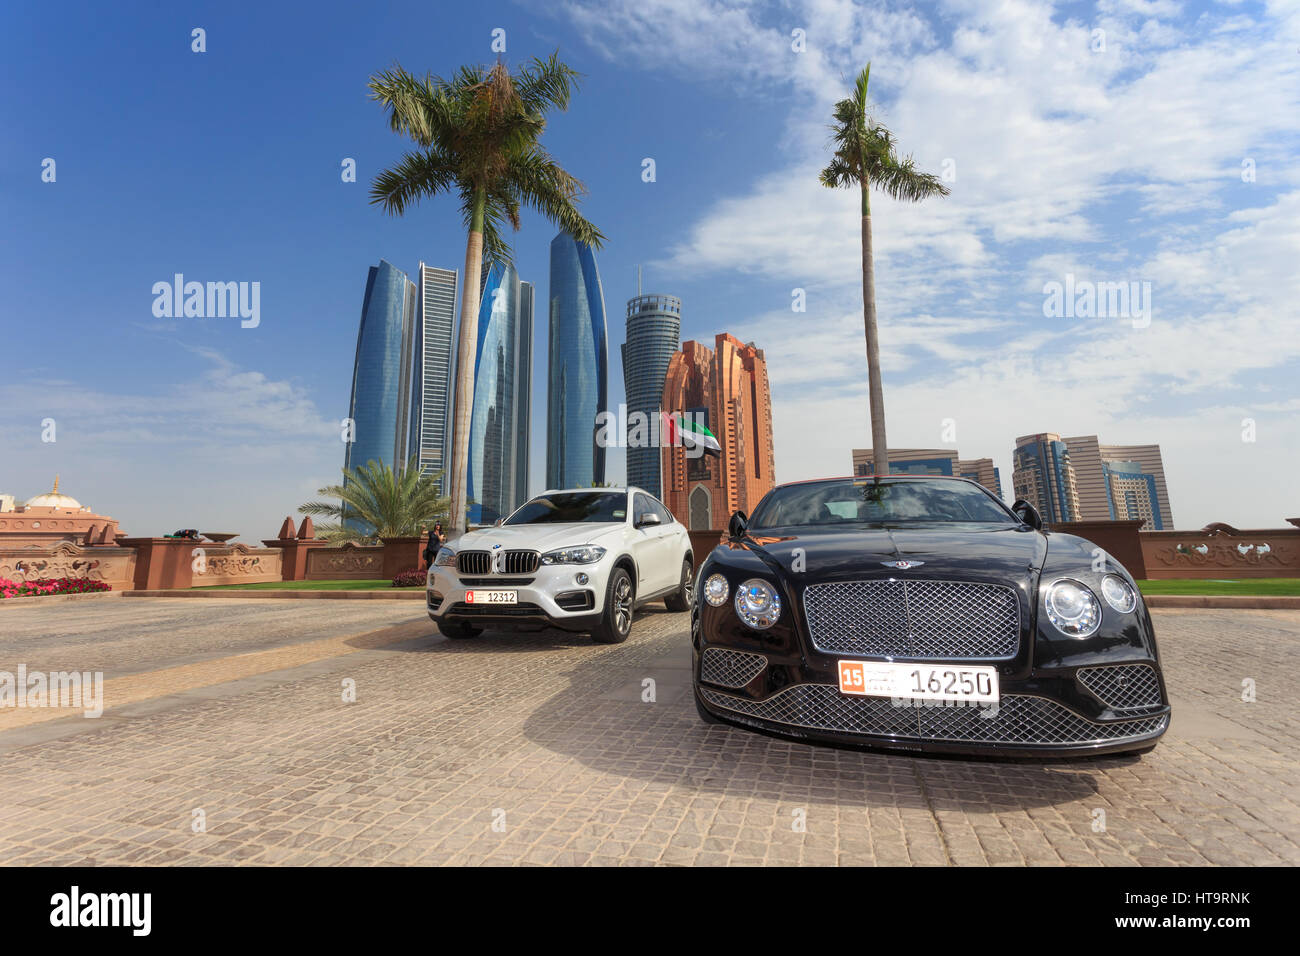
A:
<point x="582" y="554"/>
<point x="1072" y="608"/>
<point x="716" y="590"/>
<point x="446" y="558"/>
<point x="1118" y="593"/>
<point x="757" y="604"/>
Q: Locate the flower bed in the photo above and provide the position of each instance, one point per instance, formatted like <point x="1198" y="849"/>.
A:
<point x="16" y="589"/>
<point x="413" y="578"/>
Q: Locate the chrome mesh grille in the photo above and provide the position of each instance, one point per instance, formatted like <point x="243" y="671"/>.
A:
<point x="481" y="562"/>
<point x="728" y="668"/>
<point x="926" y="619"/>
<point x="1018" y="719"/>
<point x="1122" y="686"/>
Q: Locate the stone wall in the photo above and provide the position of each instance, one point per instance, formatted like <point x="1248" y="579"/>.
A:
<point x="347" y="562"/>
<point x="1220" y="551"/>
<point x="234" y="564"/>
<point x="113" y="565"/>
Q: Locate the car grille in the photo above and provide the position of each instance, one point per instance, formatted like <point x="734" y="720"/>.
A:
<point x="521" y="609"/>
<point x="925" y="619"/>
<point x="1018" y="719"/>
<point x="480" y="562"/>
<point x="728" y="668"/>
<point x="1122" y="686"/>
<point x="497" y="582"/>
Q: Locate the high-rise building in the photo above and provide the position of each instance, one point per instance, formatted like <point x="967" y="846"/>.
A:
<point x="380" y="404"/>
<point x="500" y="419"/>
<point x="577" y="367"/>
<point x="932" y="461"/>
<point x="435" y="346"/>
<point x="1119" y="482"/>
<point x="1044" y="476"/>
<point x="726" y="388"/>
<point x="654" y="324"/>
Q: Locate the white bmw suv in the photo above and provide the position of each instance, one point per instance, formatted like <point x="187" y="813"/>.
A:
<point x="582" y="559"/>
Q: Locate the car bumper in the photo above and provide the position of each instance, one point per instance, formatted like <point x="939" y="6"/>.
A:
<point x="1052" y="713"/>
<point x="551" y="597"/>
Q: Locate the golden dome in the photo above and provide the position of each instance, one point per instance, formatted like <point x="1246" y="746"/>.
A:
<point x="52" y="499"/>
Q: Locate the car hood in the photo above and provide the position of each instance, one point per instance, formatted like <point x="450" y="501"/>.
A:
<point x="537" y="537"/>
<point x="963" y="552"/>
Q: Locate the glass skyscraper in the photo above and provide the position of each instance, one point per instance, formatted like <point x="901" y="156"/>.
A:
<point x="380" y="405"/>
<point x="577" y="366"/>
<point x="500" y="419"/>
<point x="654" y="325"/>
<point x="435" y="328"/>
<point x="1044" y="476"/>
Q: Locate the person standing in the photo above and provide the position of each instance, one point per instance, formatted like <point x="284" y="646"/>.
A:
<point x="435" y="543"/>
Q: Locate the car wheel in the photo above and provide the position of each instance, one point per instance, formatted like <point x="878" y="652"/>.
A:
<point x="458" y="632"/>
<point x="705" y="716"/>
<point x="616" y="620"/>
<point x="680" y="600"/>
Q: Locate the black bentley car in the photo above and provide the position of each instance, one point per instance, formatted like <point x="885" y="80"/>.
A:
<point x="923" y="614"/>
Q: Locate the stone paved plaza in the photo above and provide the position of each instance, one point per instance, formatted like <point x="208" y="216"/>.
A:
<point x="541" y="749"/>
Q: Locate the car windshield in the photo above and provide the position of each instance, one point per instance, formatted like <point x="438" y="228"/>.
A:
<point x="571" y="506"/>
<point x="867" y="501"/>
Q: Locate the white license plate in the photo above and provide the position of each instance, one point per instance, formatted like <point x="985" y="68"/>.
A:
<point x="491" y="597"/>
<point x="919" y="681"/>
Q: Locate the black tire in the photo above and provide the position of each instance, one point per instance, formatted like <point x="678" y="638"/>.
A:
<point x="680" y="600"/>
<point x="705" y="716"/>
<point x="620" y="601"/>
<point x="458" y="632"/>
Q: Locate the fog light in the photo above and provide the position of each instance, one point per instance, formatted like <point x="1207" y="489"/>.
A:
<point x="581" y="578"/>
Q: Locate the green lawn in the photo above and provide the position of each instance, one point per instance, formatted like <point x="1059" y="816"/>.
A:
<point x="306" y="586"/>
<point x="1248" y="586"/>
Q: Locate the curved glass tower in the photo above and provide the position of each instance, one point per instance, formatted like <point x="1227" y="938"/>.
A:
<point x="577" y="367"/>
<point x="654" y="324"/>
<point x="500" y="419"/>
<point x="380" y="406"/>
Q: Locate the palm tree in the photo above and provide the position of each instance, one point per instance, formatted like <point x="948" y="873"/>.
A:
<point x="865" y="156"/>
<point x="478" y="136"/>
<point x="376" y="502"/>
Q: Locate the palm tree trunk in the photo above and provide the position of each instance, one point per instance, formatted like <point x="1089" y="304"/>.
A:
<point x="879" y="447"/>
<point x="463" y="404"/>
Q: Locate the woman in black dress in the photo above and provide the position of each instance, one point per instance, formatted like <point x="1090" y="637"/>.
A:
<point x="435" y="542"/>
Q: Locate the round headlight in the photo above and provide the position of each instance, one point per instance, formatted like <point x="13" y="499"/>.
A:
<point x="757" y="604"/>
<point x="1118" y="594"/>
<point x="716" y="590"/>
<point x="1073" y="608"/>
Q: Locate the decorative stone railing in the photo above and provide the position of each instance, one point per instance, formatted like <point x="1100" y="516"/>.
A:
<point x="217" y="564"/>
<point x="37" y="562"/>
<point x="346" y="562"/>
<point x="1221" y="551"/>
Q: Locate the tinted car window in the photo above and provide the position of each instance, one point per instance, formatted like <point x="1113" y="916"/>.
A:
<point x="664" y="514"/>
<point x="642" y="507"/>
<point x="593" y="506"/>
<point x="857" y="501"/>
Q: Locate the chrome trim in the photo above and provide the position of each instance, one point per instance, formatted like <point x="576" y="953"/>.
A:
<point x="478" y="562"/>
<point x="728" y="668"/>
<point x="932" y="620"/>
<point x="1018" y="719"/>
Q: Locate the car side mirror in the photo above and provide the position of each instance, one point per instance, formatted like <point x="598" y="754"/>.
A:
<point x="497" y="523"/>
<point x="1027" y="513"/>
<point x="649" y="518"/>
<point x="736" y="526"/>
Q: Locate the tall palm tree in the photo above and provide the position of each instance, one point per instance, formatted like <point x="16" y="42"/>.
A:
<point x="478" y="136"/>
<point x="376" y="502"/>
<point x="865" y="156"/>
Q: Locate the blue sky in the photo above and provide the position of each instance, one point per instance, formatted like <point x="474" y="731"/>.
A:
<point x="1114" y="164"/>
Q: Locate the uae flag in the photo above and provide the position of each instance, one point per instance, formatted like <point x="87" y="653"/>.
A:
<point x="690" y="434"/>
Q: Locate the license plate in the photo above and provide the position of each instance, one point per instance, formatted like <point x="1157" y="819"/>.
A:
<point x="491" y="597"/>
<point x="919" y="681"/>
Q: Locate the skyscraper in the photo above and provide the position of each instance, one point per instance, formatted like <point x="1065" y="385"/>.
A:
<point x="380" y="404"/>
<point x="726" y="389"/>
<point x="435" y="328"/>
<point x="1118" y="482"/>
<point x="654" y="325"/>
<point x="1044" y="476"/>
<point x="577" y="366"/>
<point x="500" y="418"/>
<point x="932" y="461"/>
